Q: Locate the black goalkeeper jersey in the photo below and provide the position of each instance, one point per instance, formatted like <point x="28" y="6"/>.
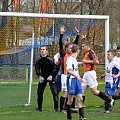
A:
<point x="44" y="67"/>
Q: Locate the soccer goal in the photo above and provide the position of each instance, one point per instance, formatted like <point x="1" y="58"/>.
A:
<point x="21" y="35"/>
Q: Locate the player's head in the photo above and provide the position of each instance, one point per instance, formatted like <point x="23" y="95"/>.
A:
<point x="75" y="50"/>
<point x="85" y="46"/>
<point x="110" y="54"/>
<point x="68" y="47"/>
<point x="43" y="51"/>
<point x="118" y="51"/>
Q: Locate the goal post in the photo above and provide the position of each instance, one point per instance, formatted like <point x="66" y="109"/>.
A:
<point x="26" y="49"/>
<point x="40" y="15"/>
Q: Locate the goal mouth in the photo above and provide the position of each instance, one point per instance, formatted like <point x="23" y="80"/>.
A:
<point x="23" y="33"/>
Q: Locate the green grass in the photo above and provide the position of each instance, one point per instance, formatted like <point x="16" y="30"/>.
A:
<point x="94" y="106"/>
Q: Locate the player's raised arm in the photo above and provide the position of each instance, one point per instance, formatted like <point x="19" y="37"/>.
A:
<point x="77" y="37"/>
<point x="62" y="30"/>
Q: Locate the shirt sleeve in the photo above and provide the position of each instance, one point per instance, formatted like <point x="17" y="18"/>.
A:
<point x="57" y="56"/>
<point x="117" y="65"/>
<point x="37" y="68"/>
<point x="60" y="42"/>
<point x="76" y="40"/>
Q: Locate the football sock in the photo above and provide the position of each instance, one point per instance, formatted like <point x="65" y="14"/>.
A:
<point x="69" y="112"/>
<point x="116" y="97"/>
<point x="66" y="103"/>
<point x="83" y="99"/>
<point x="106" y="106"/>
<point x="81" y="112"/>
<point x="55" y="104"/>
<point x="62" y="101"/>
<point x="73" y="103"/>
<point x="104" y="97"/>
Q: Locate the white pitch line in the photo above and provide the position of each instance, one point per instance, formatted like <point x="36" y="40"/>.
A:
<point x="10" y="112"/>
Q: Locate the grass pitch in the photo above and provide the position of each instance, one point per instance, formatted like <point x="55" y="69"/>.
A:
<point x="94" y="107"/>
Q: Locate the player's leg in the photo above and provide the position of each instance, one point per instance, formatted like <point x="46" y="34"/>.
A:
<point x="53" y="88"/>
<point x="58" y="82"/>
<point x="63" y="92"/>
<point x="91" y="77"/>
<point x="80" y="107"/>
<point x="70" y="100"/>
<point x="71" y="86"/>
<point x="100" y="94"/>
<point x="117" y="96"/>
<point x="62" y="100"/>
<point x="114" y="89"/>
<point x="40" y="91"/>
<point x="103" y="96"/>
<point x="84" y="85"/>
<point x="107" y="91"/>
<point x="73" y="103"/>
<point x="79" y="93"/>
<point x="72" y="106"/>
<point x="84" y="88"/>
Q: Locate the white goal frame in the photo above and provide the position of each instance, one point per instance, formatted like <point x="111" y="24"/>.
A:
<point x="39" y="15"/>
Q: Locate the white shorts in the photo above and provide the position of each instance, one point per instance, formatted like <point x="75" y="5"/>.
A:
<point x="63" y="82"/>
<point x="119" y="84"/>
<point x="89" y="79"/>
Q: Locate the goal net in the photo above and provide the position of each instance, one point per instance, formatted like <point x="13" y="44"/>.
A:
<point x="21" y="35"/>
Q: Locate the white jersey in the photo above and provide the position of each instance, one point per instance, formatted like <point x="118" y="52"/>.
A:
<point x="72" y="64"/>
<point x="118" y="59"/>
<point x="57" y="57"/>
<point x="108" y="69"/>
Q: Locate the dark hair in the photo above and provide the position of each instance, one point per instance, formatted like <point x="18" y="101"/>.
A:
<point x="112" y="51"/>
<point x="67" y="44"/>
<point x="44" y="46"/>
<point x="118" y="47"/>
<point x="75" y="48"/>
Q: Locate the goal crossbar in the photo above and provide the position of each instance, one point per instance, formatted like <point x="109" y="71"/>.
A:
<point x="39" y="15"/>
<point x="16" y="14"/>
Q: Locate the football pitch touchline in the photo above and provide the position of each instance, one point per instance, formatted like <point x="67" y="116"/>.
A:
<point x="10" y="112"/>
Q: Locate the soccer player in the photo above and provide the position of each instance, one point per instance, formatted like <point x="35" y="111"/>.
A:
<point x="45" y="69"/>
<point x="90" y="62"/>
<point x="74" y="84"/>
<point x="117" y="57"/>
<point x="112" y="73"/>
<point x="58" y="76"/>
<point x="65" y="52"/>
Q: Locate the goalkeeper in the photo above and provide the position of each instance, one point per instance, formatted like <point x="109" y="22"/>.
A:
<point x="45" y="70"/>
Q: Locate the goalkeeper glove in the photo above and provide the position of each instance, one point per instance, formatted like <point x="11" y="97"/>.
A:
<point x="49" y="78"/>
<point x="41" y="79"/>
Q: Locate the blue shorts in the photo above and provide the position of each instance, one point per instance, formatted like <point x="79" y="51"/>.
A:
<point x="59" y="83"/>
<point x="74" y="87"/>
<point x="110" y="89"/>
<point x="115" y="83"/>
